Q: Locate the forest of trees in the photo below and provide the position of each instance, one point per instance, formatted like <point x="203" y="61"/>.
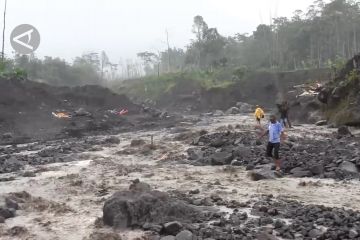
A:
<point x="324" y="35"/>
<point x="90" y="68"/>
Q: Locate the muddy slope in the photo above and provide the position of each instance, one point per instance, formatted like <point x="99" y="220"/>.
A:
<point x="341" y="96"/>
<point x="26" y="111"/>
<point x="264" y="88"/>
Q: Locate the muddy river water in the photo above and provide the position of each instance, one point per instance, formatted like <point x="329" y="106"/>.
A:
<point x="68" y="197"/>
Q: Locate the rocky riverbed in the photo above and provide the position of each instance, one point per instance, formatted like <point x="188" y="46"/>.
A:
<point x="62" y="188"/>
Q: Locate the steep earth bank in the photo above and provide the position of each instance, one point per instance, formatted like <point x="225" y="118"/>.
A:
<point x="263" y="88"/>
<point x="341" y="96"/>
<point x="26" y="112"/>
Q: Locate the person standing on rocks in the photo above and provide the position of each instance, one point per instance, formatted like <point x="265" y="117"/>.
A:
<point x="276" y="134"/>
<point x="259" y="114"/>
<point x="284" y="114"/>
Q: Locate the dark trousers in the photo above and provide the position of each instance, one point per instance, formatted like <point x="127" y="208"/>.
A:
<point x="273" y="147"/>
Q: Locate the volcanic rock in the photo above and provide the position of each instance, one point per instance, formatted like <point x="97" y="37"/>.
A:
<point x="348" y="167"/>
<point x="135" y="208"/>
<point x="172" y="228"/>
<point x="221" y="158"/>
<point x="184" y="235"/>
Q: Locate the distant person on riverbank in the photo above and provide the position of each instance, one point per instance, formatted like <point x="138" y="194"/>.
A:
<point x="276" y="135"/>
<point x="259" y="114"/>
<point x="284" y="114"/>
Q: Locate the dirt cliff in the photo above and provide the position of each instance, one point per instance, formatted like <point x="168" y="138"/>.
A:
<point x="26" y="111"/>
<point x="264" y="88"/>
<point x="341" y="96"/>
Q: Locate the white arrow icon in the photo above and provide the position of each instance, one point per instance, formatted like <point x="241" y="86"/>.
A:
<point x="28" y="34"/>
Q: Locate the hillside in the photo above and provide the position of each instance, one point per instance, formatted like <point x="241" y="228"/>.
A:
<point x="200" y="92"/>
<point x="342" y="95"/>
<point x="27" y="111"/>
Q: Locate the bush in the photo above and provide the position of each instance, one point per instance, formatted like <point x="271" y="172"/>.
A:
<point x="154" y="87"/>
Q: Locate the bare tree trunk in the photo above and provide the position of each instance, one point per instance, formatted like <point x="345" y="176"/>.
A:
<point x="337" y="37"/>
<point x="318" y="54"/>
<point x="311" y="49"/>
<point x="158" y="68"/>
<point x="349" y="46"/>
<point x="3" y="34"/>
<point x="102" y="71"/>
<point x="355" y="43"/>
<point x="168" y="45"/>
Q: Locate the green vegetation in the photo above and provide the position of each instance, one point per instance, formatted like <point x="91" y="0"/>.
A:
<point x="339" y="114"/>
<point x="342" y="111"/>
<point x="324" y="36"/>
<point x="352" y="78"/>
<point x="153" y="86"/>
<point x="87" y="69"/>
<point x="9" y="72"/>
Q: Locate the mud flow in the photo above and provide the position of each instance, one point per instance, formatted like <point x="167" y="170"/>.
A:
<point x="203" y="180"/>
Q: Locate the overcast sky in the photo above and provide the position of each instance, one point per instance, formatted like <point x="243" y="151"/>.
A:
<point x="122" y="28"/>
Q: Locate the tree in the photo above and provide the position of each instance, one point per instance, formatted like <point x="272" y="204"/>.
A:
<point x="199" y="29"/>
<point x="150" y="60"/>
<point x="91" y="58"/>
<point x="3" y="34"/>
<point x="314" y="38"/>
<point x="168" y="51"/>
<point x="177" y="58"/>
<point x="104" y="63"/>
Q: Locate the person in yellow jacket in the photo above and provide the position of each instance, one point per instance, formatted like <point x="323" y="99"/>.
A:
<point x="259" y="114"/>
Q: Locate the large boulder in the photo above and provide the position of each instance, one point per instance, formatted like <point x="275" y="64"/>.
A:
<point x="317" y="169"/>
<point x="242" y="151"/>
<point x="218" y="113"/>
<point x="343" y="131"/>
<point x="218" y="142"/>
<point x="262" y="174"/>
<point x="348" y="167"/>
<point x="135" y="208"/>
<point x="353" y="233"/>
<point x="300" y="172"/>
<point x="244" y="107"/>
<point x="195" y="154"/>
<point x="7" y="212"/>
<point x="221" y="158"/>
<point x="173" y="228"/>
<point x="233" y="110"/>
<point x="184" y="235"/>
